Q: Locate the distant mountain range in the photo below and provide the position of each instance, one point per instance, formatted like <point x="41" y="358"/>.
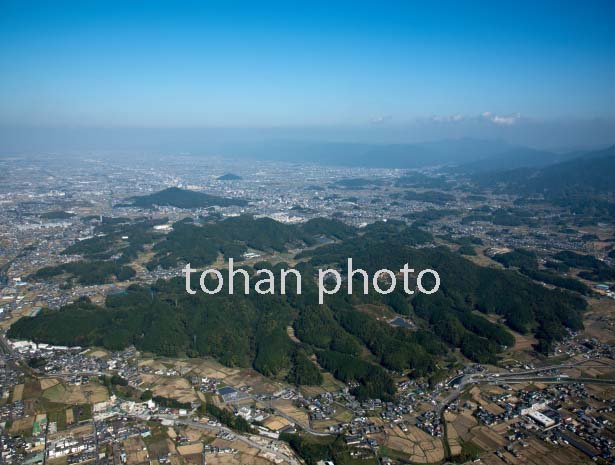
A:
<point x="378" y="155"/>
<point x="587" y="174"/>
<point x="181" y="198"/>
<point x="516" y="157"/>
<point x="471" y="155"/>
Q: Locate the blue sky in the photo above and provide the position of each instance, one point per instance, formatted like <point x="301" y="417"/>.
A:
<point x="300" y="64"/>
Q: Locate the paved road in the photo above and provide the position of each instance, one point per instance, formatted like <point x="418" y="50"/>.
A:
<point x="519" y="376"/>
<point x="556" y="379"/>
<point x="278" y="412"/>
<point x="246" y="440"/>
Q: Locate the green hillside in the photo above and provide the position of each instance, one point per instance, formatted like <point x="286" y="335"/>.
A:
<point x="251" y="330"/>
<point x="181" y="198"/>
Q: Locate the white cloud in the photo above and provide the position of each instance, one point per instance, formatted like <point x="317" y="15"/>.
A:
<point x="448" y="118"/>
<point x="502" y="120"/>
<point x="381" y="119"/>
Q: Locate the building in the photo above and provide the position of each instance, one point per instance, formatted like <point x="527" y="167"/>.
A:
<point x="542" y="419"/>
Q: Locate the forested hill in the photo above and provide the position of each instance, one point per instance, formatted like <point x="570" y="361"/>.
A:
<point x="584" y="185"/>
<point x="181" y="198"/>
<point x="107" y="255"/>
<point x="229" y="177"/>
<point x="517" y="157"/>
<point x="200" y="245"/>
<point x="345" y="338"/>
<point x="589" y="174"/>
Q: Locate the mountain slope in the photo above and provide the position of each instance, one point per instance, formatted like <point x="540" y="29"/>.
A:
<point x="351" y="343"/>
<point x="518" y="157"/>
<point x="181" y="198"/>
<point x="588" y="174"/>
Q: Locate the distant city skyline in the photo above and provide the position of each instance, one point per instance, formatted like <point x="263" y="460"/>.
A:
<point x="527" y="72"/>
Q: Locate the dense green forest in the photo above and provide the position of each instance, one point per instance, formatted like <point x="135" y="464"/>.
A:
<point x="315" y="449"/>
<point x="502" y="217"/>
<point x="524" y="305"/>
<point x="56" y="215"/>
<point x="116" y="243"/>
<point x="527" y="263"/>
<point x="252" y="329"/>
<point x="229" y="177"/>
<point x="181" y="198"/>
<point x="87" y="272"/>
<point x="357" y="183"/>
<point x="435" y="197"/>
<point x="119" y="238"/>
<point x="583" y="185"/>
<point x="200" y="245"/>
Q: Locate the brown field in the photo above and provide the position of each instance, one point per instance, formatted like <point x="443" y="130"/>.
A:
<point x="174" y="388"/>
<point x="190" y="449"/>
<point x="275" y="423"/>
<point x="238" y="459"/>
<point x="136" y="451"/>
<point x="539" y="453"/>
<point x="492" y="408"/>
<point x="59" y="461"/>
<point x="487" y="439"/>
<point x="73" y="395"/>
<point x="523" y="342"/>
<point x="22" y="424"/>
<point x="70" y="416"/>
<point x="47" y="383"/>
<point x="599" y="320"/>
<point x="17" y="393"/>
<point x="235" y="444"/>
<point x="176" y="460"/>
<point x="418" y="445"/>
<point x="212" y="369"/>
<point x="98" y="353"/>
<point x="451" y="433"/>
<point x="32" y="389"/>
<point x="463" y="424"/>
<point x="287" y="408"/>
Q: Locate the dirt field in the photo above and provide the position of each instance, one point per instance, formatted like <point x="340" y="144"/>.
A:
<point x="275" y="423"/>
<point x="417" y="444"/>
<point x="599" y="320"/>
<point x="22" y="424"/>
<point x="539" y="453"/>
<point x="98" y="353"/>
<point x="238" y="459"/>
<point x="463" y="424"/>
<point x="74" y="395"/>
<point x="287" y="408"/>
<point x="47" y="383"/>
<point x="190" y="449"/>
<point x="487" y="439"/>
<point x="17" y="393"/>
<point x="452" y="435"/>
<point x="174" y="388"/>
<point x="136" y="451"/>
